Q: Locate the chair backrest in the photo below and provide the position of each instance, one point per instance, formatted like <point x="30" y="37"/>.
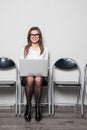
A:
<point x="6" y="63"/>
<point x="66" y="64"/>
<point x="68" y="69"/>
<point x="8" y="69"/>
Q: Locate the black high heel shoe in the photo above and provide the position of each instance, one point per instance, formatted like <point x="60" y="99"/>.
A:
<point x="27" y="114"/>
<point x="38" y="116"/>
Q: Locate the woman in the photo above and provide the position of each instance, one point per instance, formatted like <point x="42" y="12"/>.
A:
<point x="34" y="50"/>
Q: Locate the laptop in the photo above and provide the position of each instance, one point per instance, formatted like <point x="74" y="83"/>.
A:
<point x="33" y="67"/>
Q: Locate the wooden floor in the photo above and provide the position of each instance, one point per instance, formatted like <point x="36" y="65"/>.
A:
<point x="66" y="118"/>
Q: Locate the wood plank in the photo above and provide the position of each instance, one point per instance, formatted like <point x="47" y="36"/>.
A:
<point x="66" y="118"/>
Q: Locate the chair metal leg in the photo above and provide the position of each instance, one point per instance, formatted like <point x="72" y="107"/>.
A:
<point x="16" y="110"/>
<point x="20" y="92"/>
<point x="49" y="97"/>
<point x="52" y="99"/>
<point x="82" y="104"/>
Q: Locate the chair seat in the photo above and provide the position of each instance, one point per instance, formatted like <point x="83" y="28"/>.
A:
<point x="67" y="83"/>
<point x="11" y="83"/>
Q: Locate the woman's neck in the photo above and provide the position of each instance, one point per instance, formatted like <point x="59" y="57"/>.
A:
<point x="35" y="45"/>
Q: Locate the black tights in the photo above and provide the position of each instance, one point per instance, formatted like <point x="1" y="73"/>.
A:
<point x="29" y="93"/>
<point x="34" y="85"/>
<point x="38" y="91"/>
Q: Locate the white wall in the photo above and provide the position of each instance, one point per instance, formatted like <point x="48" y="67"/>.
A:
<point x="63" y="24"/>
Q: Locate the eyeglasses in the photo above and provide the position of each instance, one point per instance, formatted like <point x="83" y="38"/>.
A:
<point x="34" y="35"/>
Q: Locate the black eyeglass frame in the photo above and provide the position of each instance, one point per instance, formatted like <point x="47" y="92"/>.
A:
<point x="34" y="34"/>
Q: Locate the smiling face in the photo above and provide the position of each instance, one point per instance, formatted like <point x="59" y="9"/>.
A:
<point x="34" y="36"/>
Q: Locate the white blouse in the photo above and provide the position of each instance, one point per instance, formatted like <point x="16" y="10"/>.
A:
<point x="35" y="54"/>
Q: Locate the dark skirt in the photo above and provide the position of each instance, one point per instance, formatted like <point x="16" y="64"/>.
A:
<point x="44" y="81"/>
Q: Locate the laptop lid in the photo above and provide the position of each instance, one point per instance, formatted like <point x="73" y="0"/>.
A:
<point x="33" y="67"/>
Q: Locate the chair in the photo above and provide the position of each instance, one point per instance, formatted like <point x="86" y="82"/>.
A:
<point x="66" y="67"/>
<point x="46" y="86"/>
<point x="85" y="84"/>
<point x="6" y="67"/>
